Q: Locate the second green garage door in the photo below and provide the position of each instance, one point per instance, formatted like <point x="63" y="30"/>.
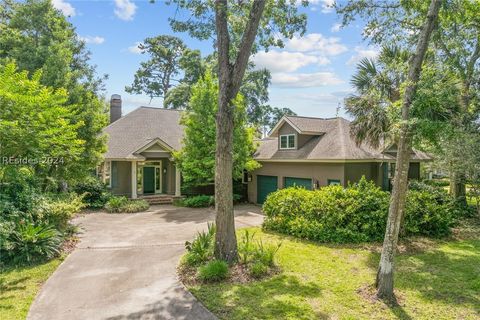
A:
<point x="299" y="182"/>
<point x="265" y="185"/>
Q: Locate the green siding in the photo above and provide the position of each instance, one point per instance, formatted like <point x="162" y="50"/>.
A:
<point x="299" y="182"/>
<point x="265" y="185"/>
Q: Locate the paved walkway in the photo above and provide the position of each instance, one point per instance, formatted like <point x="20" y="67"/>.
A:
<point x="124" y="267"/>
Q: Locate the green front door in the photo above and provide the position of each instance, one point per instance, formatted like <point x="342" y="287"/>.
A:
<point x="265" y="185"/>
<point x="298" y="182"/>
<point x="148" y="180"/>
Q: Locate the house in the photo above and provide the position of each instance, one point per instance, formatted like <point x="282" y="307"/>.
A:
<point x="139" y="158"/>
<point x="304" y="151"/>
<point x="315" y="152"/>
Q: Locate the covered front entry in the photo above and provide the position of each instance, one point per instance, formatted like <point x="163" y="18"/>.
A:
<point x="150" y="177"/>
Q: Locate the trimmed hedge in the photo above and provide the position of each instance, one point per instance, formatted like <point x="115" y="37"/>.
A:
<point x="124" y="205"/>
<point x="357" y="213"/>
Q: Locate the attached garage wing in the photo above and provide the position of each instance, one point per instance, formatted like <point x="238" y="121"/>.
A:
<point x="298" y="182"/>
<point x="265" y="185"/>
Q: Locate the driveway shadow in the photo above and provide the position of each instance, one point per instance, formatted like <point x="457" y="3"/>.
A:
<point x="176" y="303"/>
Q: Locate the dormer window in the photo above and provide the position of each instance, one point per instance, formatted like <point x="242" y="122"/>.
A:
<point x="287" y="141"/>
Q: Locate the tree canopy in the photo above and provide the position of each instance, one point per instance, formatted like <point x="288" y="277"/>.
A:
<point x="197" y="157"/>
<point x="36" y="36"/>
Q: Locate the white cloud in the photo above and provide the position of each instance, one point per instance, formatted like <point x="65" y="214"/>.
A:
<point x="284" y="61"/>
<point x="327" y="6"/>
<point x="336" y="27"/>
<point x="135" y="48"/>
<point x="305" y="80"/>
<point x="93" y="40"/>
<point x="125" y="9"/>
<point x="316" y="42"/>
<point x="362" y="53"/>
<point x="66" y="8"/>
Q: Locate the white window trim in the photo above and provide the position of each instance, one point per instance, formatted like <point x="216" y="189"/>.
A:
<point x="294" y="141"/>
<point x="104" y="176"/>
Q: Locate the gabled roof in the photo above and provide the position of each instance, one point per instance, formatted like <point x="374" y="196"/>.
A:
<point x="332" y="142"/>
<point x="142" y="128"/>
<point x="303" y="125"/>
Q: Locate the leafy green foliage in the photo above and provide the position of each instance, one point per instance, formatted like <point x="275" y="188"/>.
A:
<point x="214" y="270"/>
<point x="58" y="211"/>
<point x="155" y="76"/>
<point x="200" y="201"/>
<point x="197" y="158"/>
<point x="355" y="214"/>
<point x="94" y="192"/>
<point x="40" y="40"/>
<point x="257" y="256"/>
<point x="51" y="133"/>
<point x="31" y="243"/>
<point x="116" y="204"/>
<point x="258" y="269"/>
<point x="200" y="249"/>
<point x="124" y="205"/>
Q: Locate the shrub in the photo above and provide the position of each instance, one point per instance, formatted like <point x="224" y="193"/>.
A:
<point x="124" y="205"/>
<point x="357" y="213"/>
<point x="58" y="211"/>
<point x="437" y="182"/>
<point x="246" y="247"/>
<point x="133" y="206"/>
<point x="201" y="201"/>
<point x="251" y="252"/>
<point x="201" y="248"/>
<point x="214" y="270"/>
<point x="428" y="213"/>
<point x="258" y="269"/>
<point x="30" y="243"/>
<point x="266" y="253"/>
<point x="94" y="191"/>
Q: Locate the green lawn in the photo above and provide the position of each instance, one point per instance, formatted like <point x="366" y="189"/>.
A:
<point x="435" y="280"/>
<point x="19" y="286"/>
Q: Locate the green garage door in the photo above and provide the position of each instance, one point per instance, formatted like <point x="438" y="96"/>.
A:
<point x="299" y="182"/>
<point x="265" y="185"/>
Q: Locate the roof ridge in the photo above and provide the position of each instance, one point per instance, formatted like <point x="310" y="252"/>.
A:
<point x="159" y="108"/>
<point x="123" y="117"/>
<point x="342" y="137"/>
<point x="316" y="118"/>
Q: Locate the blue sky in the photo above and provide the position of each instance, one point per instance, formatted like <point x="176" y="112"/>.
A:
<point x="310" y="75"/>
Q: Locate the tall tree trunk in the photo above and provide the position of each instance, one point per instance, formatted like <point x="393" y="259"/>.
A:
<point x="230" y="77"/>
<point x="384" y="281"/>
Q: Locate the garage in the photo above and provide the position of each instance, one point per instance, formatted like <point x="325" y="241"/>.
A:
<point x="298" y="182"/>
<point x="265" y="185"/>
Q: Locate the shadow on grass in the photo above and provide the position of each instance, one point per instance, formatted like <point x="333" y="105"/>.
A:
<point x="450" y="275"/>
<point x="9" y="286"/>
<point x="279" y="297"/>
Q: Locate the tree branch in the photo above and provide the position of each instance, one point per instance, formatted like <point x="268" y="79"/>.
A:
<point x="246" y="44"/>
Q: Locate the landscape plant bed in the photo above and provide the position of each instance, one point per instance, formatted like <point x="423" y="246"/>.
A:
<point x="435" y="279"/>
<point x="238" y="274"/>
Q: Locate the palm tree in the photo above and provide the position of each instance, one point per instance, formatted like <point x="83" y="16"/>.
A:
<point x="377" y="85"/>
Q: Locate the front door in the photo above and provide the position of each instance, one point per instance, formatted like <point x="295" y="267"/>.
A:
<point x="148" y="179"/>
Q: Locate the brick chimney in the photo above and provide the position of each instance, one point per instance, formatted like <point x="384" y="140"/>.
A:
<point x="115" y="108"/>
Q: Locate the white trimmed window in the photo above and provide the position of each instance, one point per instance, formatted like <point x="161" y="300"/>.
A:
<point x="287" y="141"/>
<point x="107" y="173"/>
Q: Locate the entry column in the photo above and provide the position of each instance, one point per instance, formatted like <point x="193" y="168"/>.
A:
<point x="178" y="180"/>
<point x="134" y="179"/>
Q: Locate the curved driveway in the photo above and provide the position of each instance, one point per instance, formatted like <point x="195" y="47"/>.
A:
<point x="124" y="267"/>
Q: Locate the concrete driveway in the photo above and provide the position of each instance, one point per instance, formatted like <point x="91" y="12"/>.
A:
<point x="124" y="267"/>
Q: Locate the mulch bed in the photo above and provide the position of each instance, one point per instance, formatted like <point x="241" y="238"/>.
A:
<point x="238" y="274"/>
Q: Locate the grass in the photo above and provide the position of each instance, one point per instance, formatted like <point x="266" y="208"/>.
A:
<point x="434" y="280"/>
<point x="19" y="286"/>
